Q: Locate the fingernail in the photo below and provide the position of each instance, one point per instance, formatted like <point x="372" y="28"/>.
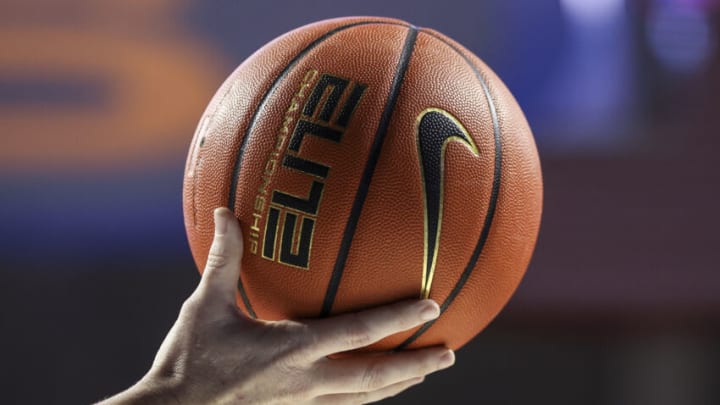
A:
<point x="429" y="310"/>
<point x="220" y="221"/>
<point x="447" y="359"/>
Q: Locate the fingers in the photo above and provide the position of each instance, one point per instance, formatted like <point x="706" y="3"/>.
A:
<point x="372" y="373"/>
<point x="368" y="397"/>
<point x="222" y="269"/>
<point x="352" y="331"/>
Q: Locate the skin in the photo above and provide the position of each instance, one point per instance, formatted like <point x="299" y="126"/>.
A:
<point x="215" y="354"/>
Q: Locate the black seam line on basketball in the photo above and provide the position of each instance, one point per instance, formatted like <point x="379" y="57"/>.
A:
<point x="491" y="206"/>
<point x="245" y="299"/>
<point x="367" y="175"/>
<point x="271" y="90"/>
<point x="253" y="121"/>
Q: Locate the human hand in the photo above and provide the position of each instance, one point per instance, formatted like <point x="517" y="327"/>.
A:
<point x="215" y="354"/>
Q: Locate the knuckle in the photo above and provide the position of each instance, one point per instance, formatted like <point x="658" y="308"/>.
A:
<point x="427" y="364"/>
<point x="307" y="339"/>
<point x="358" y="332"/>
<point x="298" y="339"/>
<point x="215" y="260"/>
<point x="219" y="254"/>
<point x="374" y="377"/>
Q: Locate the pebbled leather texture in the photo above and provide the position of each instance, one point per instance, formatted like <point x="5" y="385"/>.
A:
<point x="385" y="258"/>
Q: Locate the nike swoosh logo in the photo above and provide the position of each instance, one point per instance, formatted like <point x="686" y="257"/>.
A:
<point x="435" y="128"/>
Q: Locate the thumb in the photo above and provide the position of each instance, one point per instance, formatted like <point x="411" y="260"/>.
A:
<point x="222" y="269"/>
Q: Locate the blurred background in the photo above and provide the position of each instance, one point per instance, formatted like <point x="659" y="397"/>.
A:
<point x="621" y="304"/>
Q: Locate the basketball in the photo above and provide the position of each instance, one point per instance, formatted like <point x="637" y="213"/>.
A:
<point x="369" y="161"/>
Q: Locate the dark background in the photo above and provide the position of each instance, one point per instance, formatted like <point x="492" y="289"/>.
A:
<point x="620" y="305"/>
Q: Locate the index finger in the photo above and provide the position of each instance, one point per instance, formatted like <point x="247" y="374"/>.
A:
<point x="359" y="329"/>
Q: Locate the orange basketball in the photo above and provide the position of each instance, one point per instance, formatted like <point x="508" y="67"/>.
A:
<point x="369" y="161"/>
